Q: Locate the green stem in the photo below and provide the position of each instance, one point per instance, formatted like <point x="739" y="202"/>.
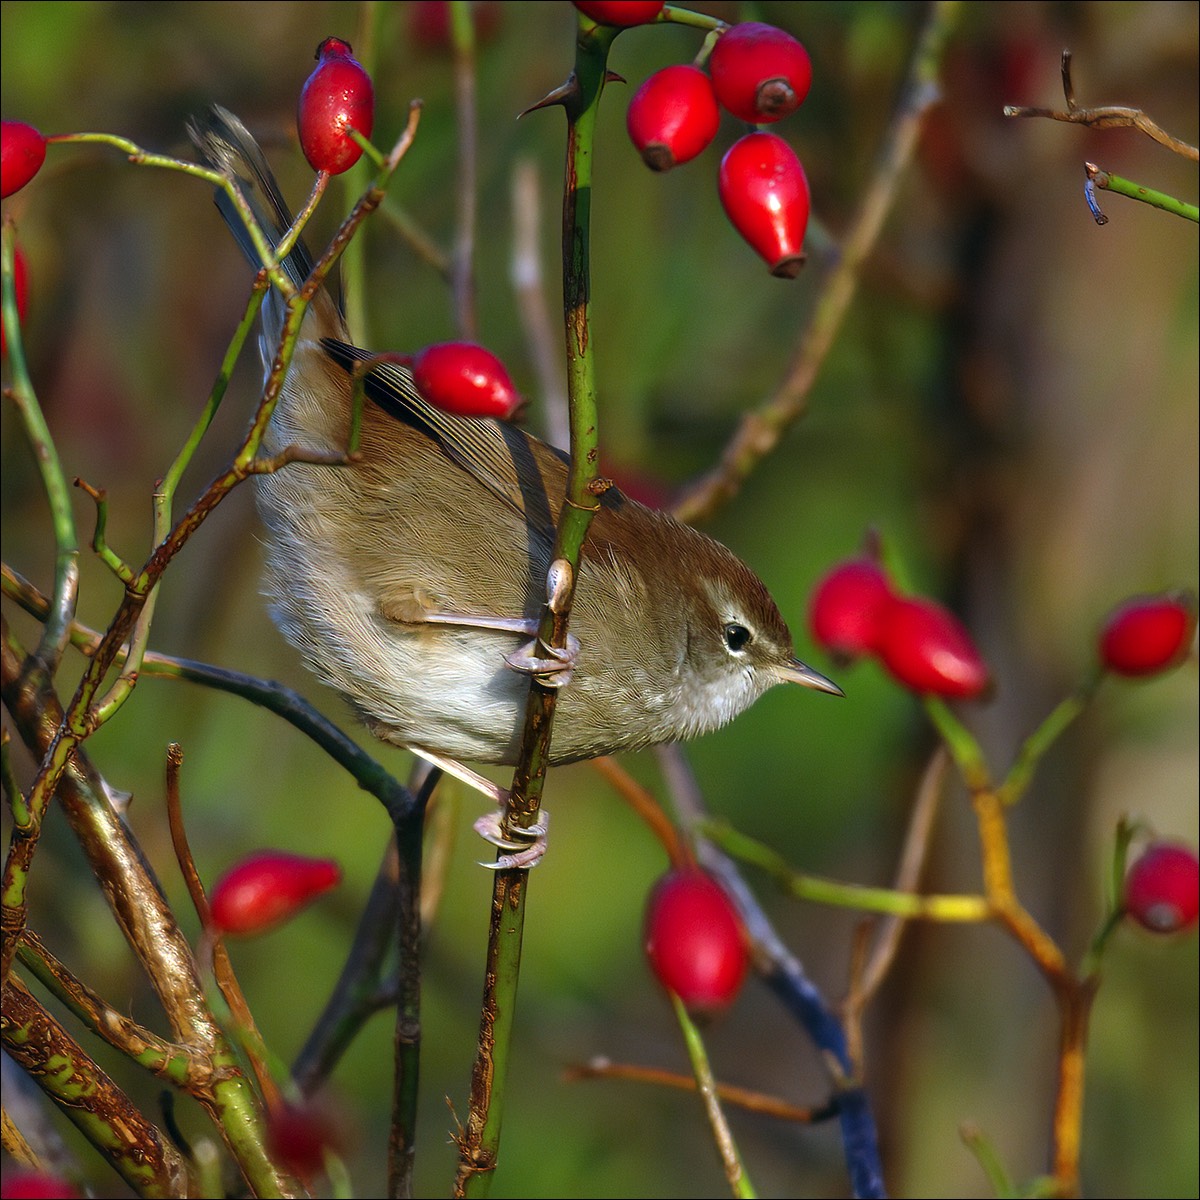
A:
<point x="1042" y="738"/>
<point x="731" y="1159"/>
<point x="1135" y="191"/>
<point x="45" y="454"/>
<point x="480" y="1143"/>
<point x="845" y="895"/>
<point x="961" y="743"/>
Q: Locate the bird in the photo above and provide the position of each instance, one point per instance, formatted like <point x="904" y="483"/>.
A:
<point x="410" y="576"/>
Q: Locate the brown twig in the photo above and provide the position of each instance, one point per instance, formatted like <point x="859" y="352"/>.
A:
<point x="744" y="1098"/>
<point x="873" y="968"/>
<point x="526" y="271"/>
<point x="1103" y="116"/>
<point x="648" y="809"/>
<point x="223" y="973"/>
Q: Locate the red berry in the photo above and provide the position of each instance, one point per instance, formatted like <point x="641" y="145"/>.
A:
<point x="22" y="152"/>
<point x="1148" y="634"/>
<point x="298" y="1136"/>
<point x="1162" y="889"/>
<point x="620" y="12"/>
<point x="268" y="887"/>
<point x="673" y="116"/>
<point x="759" y="72"/>
<point x="465" y="379"/>
<point x="429" y="21"/>
<point x="848" y="606"/>
<point x="927" y="649"/>
<point x="695" y="941"/>
<point x="336" y="97"/>
<point x="35" y="1185"/>
<point x="765" y="194"/>
<point x="21" y="288"/>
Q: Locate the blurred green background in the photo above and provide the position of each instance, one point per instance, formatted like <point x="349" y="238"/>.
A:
<point x="1012" y="403"/>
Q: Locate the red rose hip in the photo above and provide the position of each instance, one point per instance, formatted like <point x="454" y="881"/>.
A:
<point x="760" y="73"/>
<point x="268" y="887"/>
<point x="336" y="97"/>
<point x="764" y="191"/>
<point x="695" y="941"/>
<point x="465" y="379"/>
<point x="22" y="152"/>
<point x="673" y="116"/>
<point x="1162" y="889"/>
<point x="848" y="606"/>
<point x="926" y="648"/>
<point x="1148" y="634"/>
<point x="624" y="13"/>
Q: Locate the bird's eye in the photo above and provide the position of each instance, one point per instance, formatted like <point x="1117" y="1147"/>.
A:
<point x="737" y="637"/>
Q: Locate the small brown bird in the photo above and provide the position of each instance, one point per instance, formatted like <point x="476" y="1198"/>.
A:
<point x="409" y="577"/>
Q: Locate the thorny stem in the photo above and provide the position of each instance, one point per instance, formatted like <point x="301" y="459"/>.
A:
<point x="479" y="1142"/>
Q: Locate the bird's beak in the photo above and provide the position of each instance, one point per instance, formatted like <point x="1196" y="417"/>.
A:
<point x="805" y="676"/>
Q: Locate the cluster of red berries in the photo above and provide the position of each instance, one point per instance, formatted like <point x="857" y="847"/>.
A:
<point x="757" y="73"/>
<point x="855" y="610"/>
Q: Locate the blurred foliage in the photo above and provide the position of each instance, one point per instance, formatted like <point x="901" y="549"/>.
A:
<point x="1013" y="403"/>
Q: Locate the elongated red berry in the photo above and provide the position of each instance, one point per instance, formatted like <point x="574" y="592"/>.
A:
<point x="1148" y="634"/>
<point x="695" y="940"/>
<point x="22" y="152"/>
<point x="35" y="1185"/>
<point x="927" y="649"/>
<point x="20" y="289"/>
<point x="760" y="73"/>
<point x="1162" y="889"/>
<point x="336" y="97"/>
<point x="673" y="116"/>
<point x="764" y="191"/>
<point x="848" y="606"/>
<point x="268" y="887"/>
<point x="465" y="379"/>
<point x="621" y="12"/>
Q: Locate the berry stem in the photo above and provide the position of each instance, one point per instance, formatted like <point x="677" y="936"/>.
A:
<point x="1047" y="733"/>
<point x="731" y="1159"/>
<point x="954" y="908"/>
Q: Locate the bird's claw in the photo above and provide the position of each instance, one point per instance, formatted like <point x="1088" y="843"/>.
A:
<point x="525" y="853"/>
<point x="552" y="667"/>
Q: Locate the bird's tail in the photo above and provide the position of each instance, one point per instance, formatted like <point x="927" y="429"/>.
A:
<point x="229" y="147"/>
